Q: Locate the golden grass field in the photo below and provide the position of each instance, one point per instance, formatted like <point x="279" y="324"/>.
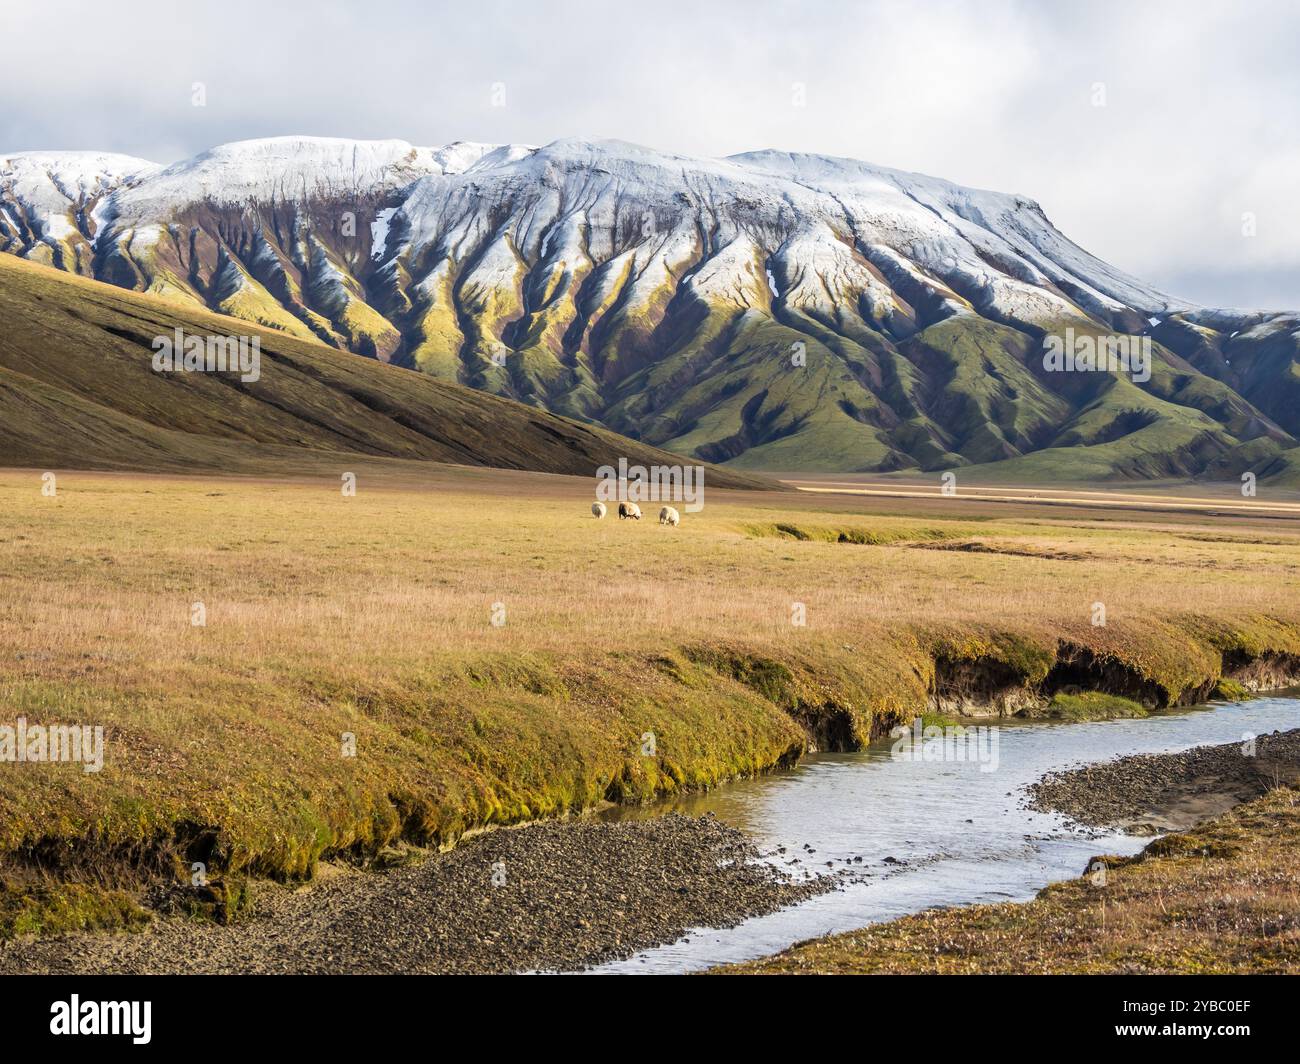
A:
<point x="372" y="615"/>
<point x="409" y="568"/>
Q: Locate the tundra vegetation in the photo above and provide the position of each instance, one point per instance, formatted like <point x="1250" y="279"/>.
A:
<point x="453" y="631"/>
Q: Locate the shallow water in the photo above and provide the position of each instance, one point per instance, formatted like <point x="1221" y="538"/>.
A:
<point x="962" y="834"/>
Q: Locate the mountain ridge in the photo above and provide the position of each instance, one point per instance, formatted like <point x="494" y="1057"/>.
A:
<point x="667" y="297"/>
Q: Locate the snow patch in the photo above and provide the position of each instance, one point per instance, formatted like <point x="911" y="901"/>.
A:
<point x="379" y="232"/>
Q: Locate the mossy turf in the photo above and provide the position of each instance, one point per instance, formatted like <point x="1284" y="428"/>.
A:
<point x="1227" y="690"/>
<point x="1089" y="705"/>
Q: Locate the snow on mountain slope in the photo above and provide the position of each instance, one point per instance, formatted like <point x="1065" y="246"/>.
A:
<point x="990" y="223"/>
<point x="996" y="252"/>
<point x="288" y="169"/>
<point x="662" y="295"/>
<point x="49" y="202"/>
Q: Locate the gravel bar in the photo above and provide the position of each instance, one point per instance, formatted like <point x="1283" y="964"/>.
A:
<point x="545" y="896"/>
<point x="1154" y="793"/>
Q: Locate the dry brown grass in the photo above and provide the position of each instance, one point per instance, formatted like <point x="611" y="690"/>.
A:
<point x="372" y="615"/>
<point x="101" y="578"/>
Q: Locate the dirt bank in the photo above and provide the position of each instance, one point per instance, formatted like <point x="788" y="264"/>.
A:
<point x="1154" y="793"/>
<point x="543" y="896"/>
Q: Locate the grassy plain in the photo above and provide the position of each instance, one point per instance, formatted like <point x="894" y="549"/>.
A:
<point x="632" y="659"/>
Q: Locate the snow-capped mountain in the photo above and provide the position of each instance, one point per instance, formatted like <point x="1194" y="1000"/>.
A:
<point x="775" y="310"/>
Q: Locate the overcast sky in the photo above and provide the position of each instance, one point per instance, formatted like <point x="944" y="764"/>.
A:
<point x="1199" y="124"/>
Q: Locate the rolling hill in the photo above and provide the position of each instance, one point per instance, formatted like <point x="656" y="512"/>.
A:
<point x="78" y="390"/>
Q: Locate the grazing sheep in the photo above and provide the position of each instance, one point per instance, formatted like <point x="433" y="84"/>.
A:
<point x="629" y="510"/>
<point x="598" y="510"/>
<point x="669" y="516"/>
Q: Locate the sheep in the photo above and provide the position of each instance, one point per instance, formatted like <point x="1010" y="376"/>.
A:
<point x="669" y="516"/>
<point x="598" y="510"/>
<point x="629" y="510"/>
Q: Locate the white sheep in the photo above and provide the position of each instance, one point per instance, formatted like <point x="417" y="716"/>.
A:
<point x="669" y="516"/>
<point x="629" y="511"/>
<point x="598" y="510"/>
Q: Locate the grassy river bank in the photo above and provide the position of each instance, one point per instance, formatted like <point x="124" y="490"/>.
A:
<point x="350" y="693"/>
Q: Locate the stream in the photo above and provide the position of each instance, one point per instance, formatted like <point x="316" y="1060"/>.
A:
<point x="958" y="829"/>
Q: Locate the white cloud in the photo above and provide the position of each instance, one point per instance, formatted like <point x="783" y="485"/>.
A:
<point x="1199" y="126"/>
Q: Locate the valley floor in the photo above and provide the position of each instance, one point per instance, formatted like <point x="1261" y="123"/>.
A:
<point x="286" y="674"/>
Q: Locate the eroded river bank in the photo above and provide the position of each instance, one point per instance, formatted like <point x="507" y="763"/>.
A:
<point x="840" y="842"/>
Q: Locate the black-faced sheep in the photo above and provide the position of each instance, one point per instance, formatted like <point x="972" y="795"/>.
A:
<point x="629" y="511"/>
